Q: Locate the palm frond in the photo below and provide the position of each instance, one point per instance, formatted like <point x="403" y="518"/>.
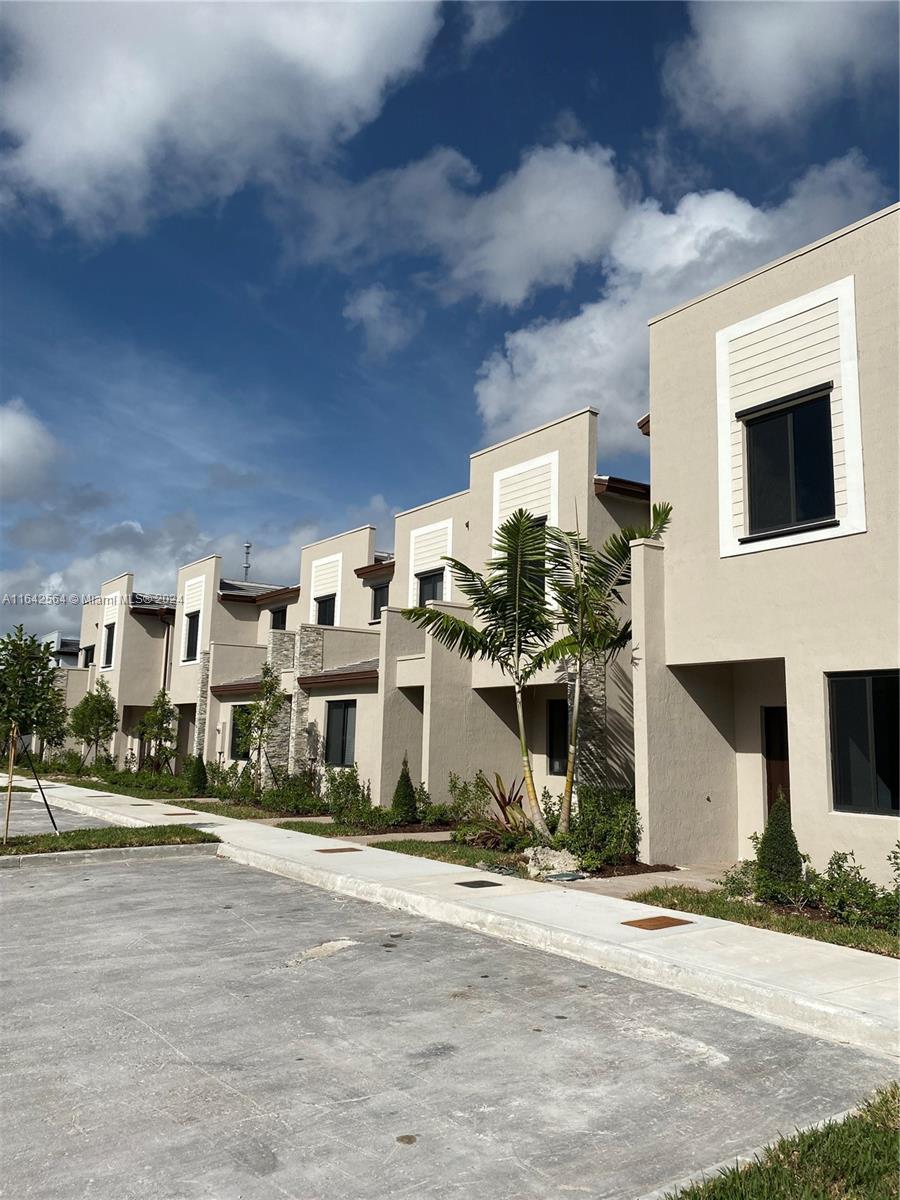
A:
<point x="451" y="631"/>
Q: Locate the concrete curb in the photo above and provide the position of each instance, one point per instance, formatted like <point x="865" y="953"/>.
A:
<point x="83" y="858"/>
<point x="805" y="1014"/>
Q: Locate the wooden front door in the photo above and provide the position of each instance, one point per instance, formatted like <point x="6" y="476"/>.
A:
<point x="775" y="750"/>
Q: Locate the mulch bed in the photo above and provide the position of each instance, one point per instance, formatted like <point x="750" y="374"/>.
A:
<point x="635" y="868"/>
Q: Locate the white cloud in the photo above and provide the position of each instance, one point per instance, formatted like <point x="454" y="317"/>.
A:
<point x="557" y="211"/>
<point x="486" y="20"/>
<point x="28" y="451"/>
<point x="761" y="64"/>
<point x="656" y="260"/>
<point x="386" y="325"/>
<point x="117" y="113"/>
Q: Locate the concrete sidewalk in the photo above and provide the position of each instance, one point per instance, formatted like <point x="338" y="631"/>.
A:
<point x="830" y="991"/>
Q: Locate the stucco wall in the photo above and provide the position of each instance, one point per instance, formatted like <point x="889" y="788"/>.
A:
<point x="357" y="549"/>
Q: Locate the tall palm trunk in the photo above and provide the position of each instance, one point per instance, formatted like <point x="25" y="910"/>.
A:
<point x="534" y="804"/>
<point x="565" y="810"/>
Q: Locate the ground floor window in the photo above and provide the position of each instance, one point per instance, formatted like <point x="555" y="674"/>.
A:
<point x="340" y="733"/>
<point x="865" y="717"/>
<point x="239" y="746"/>
<point x="557" y="736"/>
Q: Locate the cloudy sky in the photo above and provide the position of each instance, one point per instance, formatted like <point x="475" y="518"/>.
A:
<point x="274" y="270"/>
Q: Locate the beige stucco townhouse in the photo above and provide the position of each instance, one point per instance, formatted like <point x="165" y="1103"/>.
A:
<point x="126" y="640"/>
<point x="766" y="625"/>
<point x="372" y="687"/>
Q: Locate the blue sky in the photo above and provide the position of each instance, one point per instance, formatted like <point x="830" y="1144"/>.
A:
<point x="271" y="271"/>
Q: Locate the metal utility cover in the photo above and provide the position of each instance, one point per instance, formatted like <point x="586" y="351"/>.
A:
<point x="340" y="850"/>
<point x="479" y="883"/>
<point x="657" y="922"/>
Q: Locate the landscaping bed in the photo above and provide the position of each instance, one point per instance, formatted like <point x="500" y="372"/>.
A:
<point x="365" y="829"/>
<point x="844" y="1160"/>
<point x="811" y="924"/>
<point x="113" y="838"/>
<point x="239" y="812"/>
<point x="173" y="789"/>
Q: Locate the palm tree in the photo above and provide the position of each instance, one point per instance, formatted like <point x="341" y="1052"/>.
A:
<point x="514" y="621"/>
<point x="586" y="587"/>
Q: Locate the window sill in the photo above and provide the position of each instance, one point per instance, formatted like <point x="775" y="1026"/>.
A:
<point x="787" y="530"/>
<point x="865" y="812"/>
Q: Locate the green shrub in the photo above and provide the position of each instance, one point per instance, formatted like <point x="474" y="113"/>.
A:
<point x="847" y="896"/>
<point x="469" y="799"/>
<point x="403" y="804"/>
<point x="490" y="833"/>
<point x="435" y="814"/>
<point x="296" y="794"/>
<point x="231" y="784"/>
<point x="349" y="801"/>
<point x="65" y="762"/>
<point x="194" y="774"/>
<point x="606" y="830"/>
<point x="778" y="859"/>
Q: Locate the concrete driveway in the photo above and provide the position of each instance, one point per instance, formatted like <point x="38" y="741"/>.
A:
<point x="178" y="1030"/>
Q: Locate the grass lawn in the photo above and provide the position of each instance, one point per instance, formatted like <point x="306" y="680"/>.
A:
<point x="113" y="838"/>
<point x="714" y="904"/>
<point x="120" y="789"/>
<point x="452" y="852"/>
<point x="855" y="1159"/>
<point x="332" y="829"/>
<point x="240" y="812"/>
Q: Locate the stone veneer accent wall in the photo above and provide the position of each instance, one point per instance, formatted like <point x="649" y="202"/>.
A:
<point x="202" y="705"/>
<point x="309" y="658"/>
<point x="592" y="765"/>
<point x="281" y="652"/>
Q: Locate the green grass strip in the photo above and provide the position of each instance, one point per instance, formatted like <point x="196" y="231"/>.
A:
<point x="113" y="838"/>
<point x="453" y="852"/>
<point x="715" y="904"/>
<point x="853" y="1159"/>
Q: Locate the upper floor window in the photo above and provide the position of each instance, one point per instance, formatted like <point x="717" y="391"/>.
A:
<point x="865" y="716"/>
<point x="431" y="586"/>
<point x="340" y="733"/>
<point x="279" y="618"/>
<point x="191" y="636"/>
<point x="325" y="610"/>
<point x="379" y="600"/>
<point x="87" y="655"/>
<point x="109" y="644"/>
<point x="790" y="468"/>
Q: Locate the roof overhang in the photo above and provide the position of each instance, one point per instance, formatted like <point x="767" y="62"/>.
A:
<point x="332" y="679"/>
<point x="376" y="571"/>
<point x="240" y="687"/>
<point x="283" y="595"/>
<point x="644" y="424"/>
<point x="612" y="485"/>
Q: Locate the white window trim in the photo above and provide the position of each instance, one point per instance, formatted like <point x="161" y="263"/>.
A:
<point x="317" y="562"/>
<point x="119" y="601"/>
<point x="201" y="579"/>
<point x="520" y="469"/>
<point x="413" y="579"/>
<point x="842" y="290"/>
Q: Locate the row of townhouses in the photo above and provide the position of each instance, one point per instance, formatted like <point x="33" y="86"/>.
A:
<point x="765" y="624"/>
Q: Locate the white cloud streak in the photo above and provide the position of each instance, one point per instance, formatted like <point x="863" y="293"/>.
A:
<point x="28" y="453"/>
<point x="386" y="323"/>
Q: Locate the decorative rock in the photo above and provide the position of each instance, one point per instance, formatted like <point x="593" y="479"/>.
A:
<point x="543" y="861"/>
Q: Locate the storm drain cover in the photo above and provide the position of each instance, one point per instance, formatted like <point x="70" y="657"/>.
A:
<point x="479" y="883"/>
<point x="657" y="922"/>
<point x="140" y="804"/>
<point x="341" y="850"/>
<point x="179" y="812"/>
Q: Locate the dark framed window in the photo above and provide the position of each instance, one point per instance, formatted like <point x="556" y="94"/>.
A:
<point x="340" y="733"/>
<point x="865" y="717"/>
<point x="431" y="586"/>
<point x="379" y="600"/>
<point x="109" y="643"/>
<point x="87" y="655"/>
<point x="325" y="610"/>
<point x="790" y="471"/>
<point x="279" y="618"/>
<point x="191" y="635"/>
<point x="557" y="736"/>
<point x="238" y="745"/>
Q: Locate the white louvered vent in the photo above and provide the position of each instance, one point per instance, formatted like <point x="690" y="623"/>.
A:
<point x="193" y="602"/>
<point x="799" y="345"/>
<point x="428" y="547"/>
<point x="530" y="485"/>
<point x="325" y="580"/>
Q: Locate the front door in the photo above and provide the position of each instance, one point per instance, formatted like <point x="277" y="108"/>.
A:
<point x="775" y="750"/>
